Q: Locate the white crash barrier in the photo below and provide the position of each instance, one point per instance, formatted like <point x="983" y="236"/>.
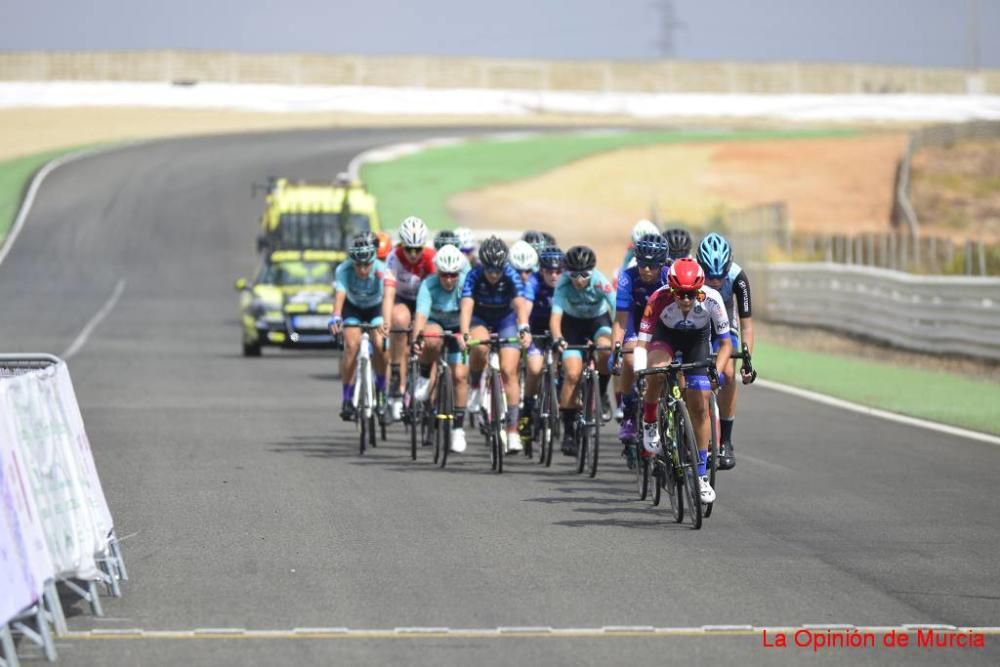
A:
<point x="55" y="525"/>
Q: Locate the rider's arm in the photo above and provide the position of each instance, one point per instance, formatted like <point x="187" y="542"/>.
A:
<point x="555" y="323"/>
<point x="720" y="320"/>
<point x="423" y="309"/>
<point x="388" y="295"/>
<point x="741" y="292"/>
<point x="465" y="314"/>
<point x="338" y="302"/>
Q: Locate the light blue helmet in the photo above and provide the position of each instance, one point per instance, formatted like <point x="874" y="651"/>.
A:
<point x="715" y="255"/>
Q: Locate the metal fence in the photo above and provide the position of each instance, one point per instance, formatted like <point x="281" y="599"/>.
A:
<point x="937" y="314"/>
<point x="652" y="76"/>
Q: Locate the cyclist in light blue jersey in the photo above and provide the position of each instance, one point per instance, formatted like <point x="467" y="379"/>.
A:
<point x="438" y="306"/>
<point x="364" y="293"/>
<point x="581" y="310"/>
<point x="641" y="228"/>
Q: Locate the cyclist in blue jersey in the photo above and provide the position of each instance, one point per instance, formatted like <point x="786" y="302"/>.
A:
<point x="727" y="277"/>
<point x="544" y="285"/>
<point x="364" y="294"/>
<point x="581" y="310"/>
<point x="495" y="299"/>
<point x="438" y="306"/>
<point x="635" y="285"/>
<point x="641" y="228"/>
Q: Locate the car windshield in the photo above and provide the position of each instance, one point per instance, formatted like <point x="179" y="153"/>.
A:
<point x="321" y="231"/>
<point x="285" y="274"/>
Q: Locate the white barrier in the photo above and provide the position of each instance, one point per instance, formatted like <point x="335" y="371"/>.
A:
<point x="54" y="520"/>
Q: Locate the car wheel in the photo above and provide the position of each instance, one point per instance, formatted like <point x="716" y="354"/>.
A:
<point x="251" y="349"/>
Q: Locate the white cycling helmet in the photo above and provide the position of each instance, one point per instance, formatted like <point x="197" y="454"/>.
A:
<point x="413" y="233"/>
<point x="450" y="259"/>
<point x="643" y="228"/>
<point x="465" y="241"/>
<point x="523" y="257"/>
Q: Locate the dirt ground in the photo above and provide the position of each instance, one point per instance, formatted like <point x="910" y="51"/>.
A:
<point x="829" y="184"/>
<point x="956" y="190"/>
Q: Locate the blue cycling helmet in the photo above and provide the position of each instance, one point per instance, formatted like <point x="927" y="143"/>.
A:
<point x="715" y="255"/>
<point x="651" y="249"/>
<point x="551" y="257"/>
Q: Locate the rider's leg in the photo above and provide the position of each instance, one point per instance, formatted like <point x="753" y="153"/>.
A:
<point x="348" y="366"/>
<point x="727" y="402"/>
<point x="572" y="370"/>
<point x="629" y="397"/>
<point x="400" y="320"/>
<point x="603" y="339"/>
<point x="510" y="357"/>
<point x="658" y="355"/>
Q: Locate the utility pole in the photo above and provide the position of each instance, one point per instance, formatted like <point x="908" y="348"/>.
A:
<point x="973" y="34"/>
<point x="669" y="25"/>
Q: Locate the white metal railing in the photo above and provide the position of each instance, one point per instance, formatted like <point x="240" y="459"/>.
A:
<point x="938" y="314"/>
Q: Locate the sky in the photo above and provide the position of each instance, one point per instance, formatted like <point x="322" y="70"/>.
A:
<point x="933" y="33"/>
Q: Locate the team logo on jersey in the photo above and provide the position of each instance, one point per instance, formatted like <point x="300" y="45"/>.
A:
<point x="699" y="309"/>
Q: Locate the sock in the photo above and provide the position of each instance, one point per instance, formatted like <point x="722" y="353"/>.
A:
<point x="529" y="404"/>
<point x="649" y="413"/>
<point x="569" y="418"/>
<point x="394" y="377"/>
<point x="513" y="412"/>
<point x="425" y="372"/>
<point x="618" y="399"/>
<point x="702" y="461"/>
<point x="628" y="404"/>
<point x="459" y="418"/>
<point x="348" y="393"/>
<point x="603" y="381"/>
<point x="380" y="382"/>
<point x="475" y="377"/>
<point x="727" y="428"/>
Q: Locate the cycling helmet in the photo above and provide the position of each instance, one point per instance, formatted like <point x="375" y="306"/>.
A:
<point x="384" y="245"/>
<point x="465" y="241"/>
<point x="362" y="250"/>
<point x="643" y="228"/>
<point x="449" y="259"/>
<point x="715" y="255"/>
<point x="523" y="257"/>
<point x="369" y="237"/>
<point x="493" y="253"/>
<point x="446" y="237"/>
<point x="535" y="239"/>
<point x="651" y="249"/>
<point x="551" y="257"/>
<point x="580" y="258"/>
<point x="413" y="233"/>
<point x="549" y="239"/>
<point x="679" y="242"/>
<point x="685" y="275"/>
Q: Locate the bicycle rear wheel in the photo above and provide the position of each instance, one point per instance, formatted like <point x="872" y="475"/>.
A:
<point x="446" y="406"/>
<point x="642" y="474"/>
<point x="713" y="447"/>
<point x="688" y="450"/>
<point x="362" y="388"/>
<point x="497" y="418"/>
<point x="553" y="424"/>
<point x="593" y="427"/>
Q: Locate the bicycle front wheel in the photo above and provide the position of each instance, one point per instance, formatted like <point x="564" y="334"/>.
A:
<point x="688" y="450"/>
<point x="497" y="417"/>
<point x="446" y="406"/>
<point x="713" y="447"/>
<point x="593" y="427"/>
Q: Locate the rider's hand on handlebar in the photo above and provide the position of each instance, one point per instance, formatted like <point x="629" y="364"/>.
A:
<point x="463" y="341"/>
<point x="748" y="376"/>
<point x="418" y="344"/>
<point x="384" y="328"/>
<point x="524" y="333"/>
<point x="336" y="325"/>
<point x="559" y="344"/>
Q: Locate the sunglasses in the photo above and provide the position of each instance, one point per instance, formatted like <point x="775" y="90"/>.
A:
<point x="686" y="296"/>
<point x="556" y="270"/>
<point x="413" y="251"/>
<point x="579" y="275"/>
<point x="493" y="270"/>
<point x="363" y="265"/>
<point x="649" y="265"/>
<point x="447" y="275"/>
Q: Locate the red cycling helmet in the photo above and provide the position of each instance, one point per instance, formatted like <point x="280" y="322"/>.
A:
<point x="384" y="245"/>
<point x="685" y="275"/>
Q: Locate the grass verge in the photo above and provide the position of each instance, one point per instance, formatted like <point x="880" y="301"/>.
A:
<point x="948" y="398"/>
<point x="420" y="184"/>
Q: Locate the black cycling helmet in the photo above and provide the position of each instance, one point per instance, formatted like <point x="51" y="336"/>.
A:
<point x="551" y="257"/>
<point x="493" y="253"/>
<point x="580" y="258"/>
<point x="549" y="239"/>
<point x="446" y="237"/>
<point x="651" y="249"/>
<point x="678" y="242"/>
<point x="535" y="239"/>
<point x="363" y="248"/>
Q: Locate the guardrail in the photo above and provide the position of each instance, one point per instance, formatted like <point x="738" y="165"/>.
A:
<point x="936" y="314"/>
<point x="55" y="525"/>
<point x="651" y="76"/>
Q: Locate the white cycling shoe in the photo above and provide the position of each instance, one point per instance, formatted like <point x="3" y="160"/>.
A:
<point x="514" y="442"/>
<point x="651" y="438"/>
<point x="707" y="492"/>
<point x="458" y="440"/>
<point x="396" y="409"/>
<point x="472" y="405"/>
<point x="422" y="389"/>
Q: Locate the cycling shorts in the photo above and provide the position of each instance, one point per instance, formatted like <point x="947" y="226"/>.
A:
<point x="579" y="330"/>
<point x="687" y="345"/>
<point x="450" y="344"/>
<point x="505" y="327"/>
<point x="354" y="315"/>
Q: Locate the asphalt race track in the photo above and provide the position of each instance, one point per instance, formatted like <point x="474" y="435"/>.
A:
<point x="245" y="505"/>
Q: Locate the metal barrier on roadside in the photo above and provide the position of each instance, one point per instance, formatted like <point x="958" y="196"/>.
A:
<point x="54" y="521"/>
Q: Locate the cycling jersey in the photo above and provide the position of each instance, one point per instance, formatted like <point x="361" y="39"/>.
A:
<point x="363" y="292"/>
<point x="541" y="307"/>
<point x="663" y="312"/>
<point x="590" y="302"/>
<point x="629" y="258"/>
<point x="493" y="300"/>
<point x="438" y="304"/>
<point x="736" y="287"/>
<point x="409" y="274"/>
<point x="632" y="296"/>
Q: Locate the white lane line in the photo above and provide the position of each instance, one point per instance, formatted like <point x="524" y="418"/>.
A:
<point x="881" y="414"/>
<point x="81" y="339"/>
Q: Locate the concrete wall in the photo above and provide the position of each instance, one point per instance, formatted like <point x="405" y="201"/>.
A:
<point x="433" y="72"/>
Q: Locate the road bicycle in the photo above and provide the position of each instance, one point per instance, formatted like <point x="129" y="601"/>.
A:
<point x="633" y="448"/>
<point x="368" y="402"/>
<point x="590" y="418"/>
<point x="492" y="401"/>
<point x="675" y="468"/>
<point x="438" y="416"/>
<point x="546" y="425"/>
<point x="715" y="444"/>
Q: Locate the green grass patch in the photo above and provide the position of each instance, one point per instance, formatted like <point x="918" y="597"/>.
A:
<point x="935" y="395"/>
<point x="421" y="184"/>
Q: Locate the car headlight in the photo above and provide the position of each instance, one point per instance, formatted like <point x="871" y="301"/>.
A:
<point x="266" y="311"/>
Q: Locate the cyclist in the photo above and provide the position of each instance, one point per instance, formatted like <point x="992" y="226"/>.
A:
<point x="410" y="262"/>
<point x="728" y="278"/>
<point x="364" y="293"/>
<point x="494" y="298"/>
<point x="467" y="245"/>
<point x="678" y="242"/>
<point x="384" y="245"/>
<point x="543" y="284"/>
<point x="437" y="311"/>
<point x="641" y="228"/>
<point x="535" y="239"/>
<point x="446" y="237"/>
<point x="524" y="259"/>
<point x="678" y="319"/>
<point x="581" y="310"/>
<point x="635" y="285"/>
